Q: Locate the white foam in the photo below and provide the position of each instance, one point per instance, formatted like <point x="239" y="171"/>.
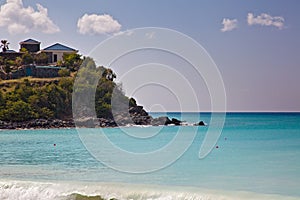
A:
<point x="26" y="190"/>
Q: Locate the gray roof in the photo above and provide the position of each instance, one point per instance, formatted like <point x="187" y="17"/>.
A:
<point x="9" y="51"/>
<point x="59" y="47"/>
<point x="30" y="41"/>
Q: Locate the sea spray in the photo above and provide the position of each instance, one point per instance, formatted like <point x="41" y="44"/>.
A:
<point x="28" y="190"/>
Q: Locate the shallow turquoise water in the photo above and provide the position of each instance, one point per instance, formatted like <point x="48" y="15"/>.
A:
<point x="257" y="153"/>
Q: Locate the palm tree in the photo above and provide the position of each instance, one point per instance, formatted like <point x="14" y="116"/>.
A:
<point x="4" y="45"/>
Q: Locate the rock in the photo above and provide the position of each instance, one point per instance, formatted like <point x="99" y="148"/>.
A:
<point x="160" y="121"/>
<point x="138" y="110"/>
<point x="176" y="122"/>
<point x="201" y="123"/>
<point x="87" y="122"/>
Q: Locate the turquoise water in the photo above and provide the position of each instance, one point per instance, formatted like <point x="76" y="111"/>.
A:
<point x="258" y="153"/>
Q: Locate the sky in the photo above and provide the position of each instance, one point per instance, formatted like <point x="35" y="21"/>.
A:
<point x="255" y="44"/>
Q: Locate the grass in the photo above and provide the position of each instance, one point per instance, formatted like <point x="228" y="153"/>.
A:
<point x="31" y="79"/>
<point x="9" y="85"/>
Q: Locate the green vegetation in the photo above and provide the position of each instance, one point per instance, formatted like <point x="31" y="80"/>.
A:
<point x="26" y="99"/>
<point x="82" y="197"/>
<point x="106" y="88"/>
<point x="72" y="61"/>
<point x="41" y="59"/>
<point x="27" y="58"/>
<point x="64" y="73"/>
<point x="30" y="101"/>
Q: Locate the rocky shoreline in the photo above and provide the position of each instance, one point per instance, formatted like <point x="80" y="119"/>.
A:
<point x="88" y="123"/>
<point x="136" y="116"/>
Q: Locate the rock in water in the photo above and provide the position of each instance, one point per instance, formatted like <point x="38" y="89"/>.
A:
<point x="176" y="122"/>
<point x="201" y="123"/>
<point x="161" y="121"/>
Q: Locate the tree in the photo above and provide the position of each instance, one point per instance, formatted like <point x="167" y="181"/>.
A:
<point x="89" y="63"/>
<point x="41" y="111"/>
<point x="66" y="84"/>
<point x="64" y="73"/>
<point x="27" y="58"/>
<point x="17" y="111"/>
<point x="59" y="63"/>
<point x="2" y="101"/>
<point x="18" y="61"/>
<point x="72" y="61"/>
<point x="4" y="45"/>
<point x="2" y="60"/>
<point x="24" y="91"/>
<point x="41" y="58"/>
<point x="8" y="65"/>
<point x="23" y="50"/>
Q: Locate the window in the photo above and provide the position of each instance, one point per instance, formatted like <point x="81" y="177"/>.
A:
<point x="55" y="58"/>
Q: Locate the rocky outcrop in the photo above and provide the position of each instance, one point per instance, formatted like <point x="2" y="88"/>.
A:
<point x="37" y="124"/>
<point x="160" y="121"/>
<point x="136" y="116"/>
<point x="201" y="123"/>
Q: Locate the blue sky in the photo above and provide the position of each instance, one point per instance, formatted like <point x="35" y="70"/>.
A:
<point x="259" y="59"/>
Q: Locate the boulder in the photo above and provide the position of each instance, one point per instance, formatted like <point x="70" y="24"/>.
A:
<point x="201" y="123"/>
<point x="160" y="121"/>
<point x="176" y="122"/>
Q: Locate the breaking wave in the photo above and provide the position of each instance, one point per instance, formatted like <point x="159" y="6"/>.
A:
<point x="26" y="190"/>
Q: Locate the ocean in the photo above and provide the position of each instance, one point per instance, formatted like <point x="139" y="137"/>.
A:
<point x="257" y="156"/>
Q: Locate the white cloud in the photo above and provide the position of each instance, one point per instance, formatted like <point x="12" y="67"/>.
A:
<point x="229" y="24"/>
<point x="98" y="24"/>
<point x="265" y="20"/>
<point x="18" y="19"/>
<point x="127" y="33"/>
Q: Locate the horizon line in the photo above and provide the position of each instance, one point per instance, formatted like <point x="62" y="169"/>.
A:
<point x="262" y="111"/>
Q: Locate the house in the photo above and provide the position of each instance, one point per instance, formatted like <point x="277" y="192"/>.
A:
<point x="10" y="54"/>
<point x="31" y="45"/>
<point x="56" y="51"/>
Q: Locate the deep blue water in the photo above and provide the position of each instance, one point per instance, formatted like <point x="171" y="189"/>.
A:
<point x="257" y="152"/>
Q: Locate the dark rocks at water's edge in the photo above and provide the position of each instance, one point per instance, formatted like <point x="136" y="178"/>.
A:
<point x="166" y="121"/>
<point x="201" y="123"/>
<point x="136" y="116"/>
<point x="92" y="123"/>
<point x="37" y="124"/>
<point x="160" y="121"/>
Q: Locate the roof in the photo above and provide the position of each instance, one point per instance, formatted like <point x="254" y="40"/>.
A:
<point x="9" y="51"/>
<point x="30" y="41"/>
<point x="48" y="67"/>
<point x="59" y="47"/>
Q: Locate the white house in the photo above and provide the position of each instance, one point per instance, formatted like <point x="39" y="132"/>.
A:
<point x="56" y="51"/>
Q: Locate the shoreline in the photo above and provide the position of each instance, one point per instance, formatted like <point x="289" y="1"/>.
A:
<point x="44" y="124"/>
<point x="120" y="190"/>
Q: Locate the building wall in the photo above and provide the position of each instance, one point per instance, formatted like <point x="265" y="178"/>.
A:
<point x="58" y="54"/>
<point x="49" y="54"/>
<point x="32" y="48"/>
<point x="34" y="71"/>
